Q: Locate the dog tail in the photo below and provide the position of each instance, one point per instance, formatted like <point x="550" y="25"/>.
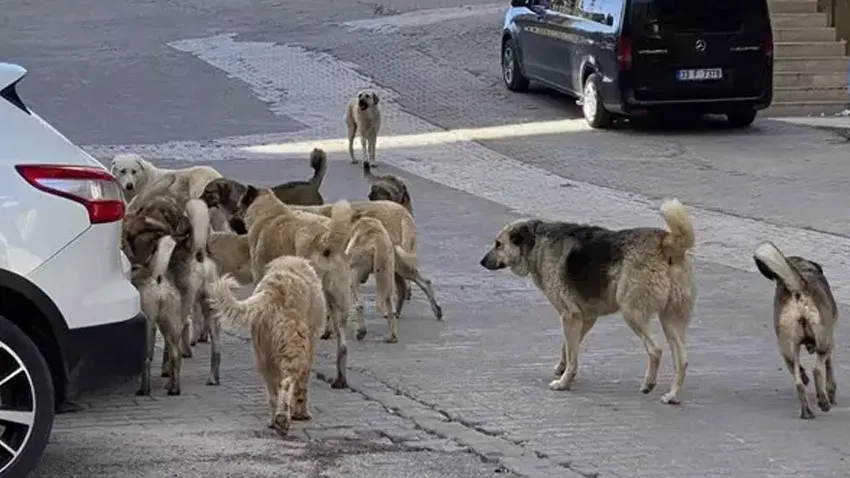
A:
<point x="319" y="163"/>
<point x="406" y="260"/>
<point x="225" y="305"/>
<point x="773" y="265"/>
<point x="681" y="236"/>
<point x="162" y="257"/>
<point x="199" y="217"/>
<point x="340" y="227"/>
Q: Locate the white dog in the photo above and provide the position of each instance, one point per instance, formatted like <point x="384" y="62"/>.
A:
<point x="135" y="174"/>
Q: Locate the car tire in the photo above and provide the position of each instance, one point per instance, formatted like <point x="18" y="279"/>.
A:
<point x="26" y="387"/>
<point x="594" y="111"/>
<point x="741" y="119"/>
<point x="512" y="74"/>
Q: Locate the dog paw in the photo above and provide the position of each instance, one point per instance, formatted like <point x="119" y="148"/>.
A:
<point x="213" y="382"/>
<point x="806" y="413"/>
<point x="339" y="383"/>
<point x="670" y="398"/>
<point x="361" y="334"/>
<point x="302" y="416"/>
<point x="559" y="369"/>
<point x="391" y="339"/>
<point x="647" y="387"/>
<point x="186" y="354"/>
<point x="831" y="395"/>
<point x="823" y="404"/>
<point x="558" y="385"/>
<point x="438" y="312"/>
<point x="143" y="392"/>
<point x="281" y="425"/>
<point x="325" y="335"/>
<point x="173" y="391"/>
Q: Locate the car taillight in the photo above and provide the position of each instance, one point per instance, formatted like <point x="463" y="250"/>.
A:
<point x="94" y="188"/>
<point x="624" y="53"/>
<point x="768" y="46"/>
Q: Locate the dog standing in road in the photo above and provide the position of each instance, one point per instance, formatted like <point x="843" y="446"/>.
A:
<point x="387" y="187"/>
<point x="286" y="314"/>
<point x="804" y="314"/>
<point x="363" y="117"/>
<point x="587" y="272"/>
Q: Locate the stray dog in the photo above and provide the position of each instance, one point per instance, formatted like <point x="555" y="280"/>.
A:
<point x="294" y="192"/>
<point x="363" y="117"/>
<point x="275" y="229"/>
<point x="387" y="187"/>
<point x="286" y="314"/>
<point x="804" y="314"/>
<point x="189" y="266"/>
<point x="587" y="272"/>
<point x="161" y="304"/>
<point x="402" y="231"/>
<point x="370" y="251"/>
<point x="232" y="255"/>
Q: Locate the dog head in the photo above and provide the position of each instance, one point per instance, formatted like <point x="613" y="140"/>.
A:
<point x="511" y="248"/>
<point x="224" y="194"/>
<point x="384" y="192"/>
<point x="367" y="99"/>
<point x="237" y="219"/>
<point x="142" y="230"/>
<point x="129" y="170"/>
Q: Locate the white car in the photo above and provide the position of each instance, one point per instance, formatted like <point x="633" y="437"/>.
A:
<point x="70" y="321"/>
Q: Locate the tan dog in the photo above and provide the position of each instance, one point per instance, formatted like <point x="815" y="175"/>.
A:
<point x="387" y="187"/>
<point x="402" y="231"/>
<point x="363" y="117"/>
<point x="232" y="255"/>
<point x="286" y="314"/>
<point x="587" y="272"/>
<point x="370" y="251"/>
<point x="161" y="305"/>
<point x="804" y="314"/>
<point x="275" y="229"/>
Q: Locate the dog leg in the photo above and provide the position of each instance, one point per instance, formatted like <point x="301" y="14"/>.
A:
<point x="165" y="370"/>
<point x="300" y="411"/>
<point x="283" y="408"/>
<point x="373" y="140"/>
<point x="389" y="308"/>
<point x="805" y="410"/>
<point x="402" y="291"/>
<point x="790" y="365"/>
<point x="173" y="387"/>
<point x="831" y="386"/>
<point x="820" y="382"/>
<point x="150" y="341"/>
<point x="571" y="325"/>
<point x="337" y="300"/>
<point x="364" y="147"/>
<point x="359" y="313"/>
<point x="562" y="363"/>
<point x="674" y="322"/>
<point x="351" y="131"/>
<point x="426" y="287"/>
<point x="215" y="341"/>
<point x="639" y="324"/>
<point x="271" y="399"/>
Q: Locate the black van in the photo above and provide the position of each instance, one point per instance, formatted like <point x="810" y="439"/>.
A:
<point x="643" y="57"/>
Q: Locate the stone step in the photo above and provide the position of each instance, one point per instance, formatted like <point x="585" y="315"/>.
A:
<point x="797" y="20"/>
<point x="794" y="108"/>
<point x="810" y="79"/>
<point x="809" y="49"/>
<point x="784" y="34"/>
<point x="814" y="63"/>
<point x="805" y="95"/>
<point x="792" y="6"/>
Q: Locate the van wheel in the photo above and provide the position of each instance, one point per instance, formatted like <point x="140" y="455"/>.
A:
<point x="741" y="119"/>
<point x="511" y="73"/>
<point x="26" y="402"/>
<point x="594" y="111"/>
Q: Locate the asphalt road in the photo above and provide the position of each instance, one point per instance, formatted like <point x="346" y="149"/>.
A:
<point x="251" y="86"/>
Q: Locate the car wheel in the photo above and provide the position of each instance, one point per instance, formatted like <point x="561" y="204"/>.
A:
<point x="741" y="119"/>
<point x="594" y="111"/>
<point x="26" y="401"/>
<point x="511" y="73"/>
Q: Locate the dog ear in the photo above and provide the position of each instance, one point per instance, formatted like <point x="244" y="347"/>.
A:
<point x="249" y="196"/>
<point x="522" y="236"/>
<point x="375" y="98"/>
<point x="817" y="266"/>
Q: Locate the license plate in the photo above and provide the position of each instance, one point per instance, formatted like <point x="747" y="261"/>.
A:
<point x="700" y="74"/>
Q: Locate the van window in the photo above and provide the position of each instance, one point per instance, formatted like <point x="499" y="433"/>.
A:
<point x="696" y="15"/>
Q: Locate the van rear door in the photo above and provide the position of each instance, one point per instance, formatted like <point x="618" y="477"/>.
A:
<point x="700" y="49"/>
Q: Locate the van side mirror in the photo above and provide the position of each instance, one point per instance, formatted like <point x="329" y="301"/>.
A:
<point x="520" y="3"/>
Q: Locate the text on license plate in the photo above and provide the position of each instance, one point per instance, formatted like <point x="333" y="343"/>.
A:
<point x="700" y="74"/>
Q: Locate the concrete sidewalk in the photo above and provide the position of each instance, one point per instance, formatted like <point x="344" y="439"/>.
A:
<point x="839" y="124"/>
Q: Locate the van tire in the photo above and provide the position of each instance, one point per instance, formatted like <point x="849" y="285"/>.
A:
<point x="741" y="119"/>
<point x="594" y="111"/>
<point x="512" y="74"/>
<point x="30" y="389"/>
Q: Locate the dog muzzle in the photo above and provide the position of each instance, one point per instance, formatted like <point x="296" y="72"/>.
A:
<point x="490" y="263"/>
<point x="362" y="104"/>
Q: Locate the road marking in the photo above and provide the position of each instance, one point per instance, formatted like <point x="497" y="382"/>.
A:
<point x="314" y="88"/>
<point x="418" y="18"/>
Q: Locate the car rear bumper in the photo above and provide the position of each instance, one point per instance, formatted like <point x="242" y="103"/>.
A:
<point x="106" y="355"/>
<point x="632" y="106"/>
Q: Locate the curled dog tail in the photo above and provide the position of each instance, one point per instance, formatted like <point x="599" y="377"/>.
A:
<point x="340" y="227"/>
<point x="681" y="236"/>
<point x="162" y="257"/>
<point x="773" y="265"/>
<point x="319" y="163"/>
<point x="225" y="305"/>
<point x="199" y="217"/>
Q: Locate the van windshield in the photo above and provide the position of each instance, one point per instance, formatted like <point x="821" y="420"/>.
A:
<point x="696" y="15"/>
